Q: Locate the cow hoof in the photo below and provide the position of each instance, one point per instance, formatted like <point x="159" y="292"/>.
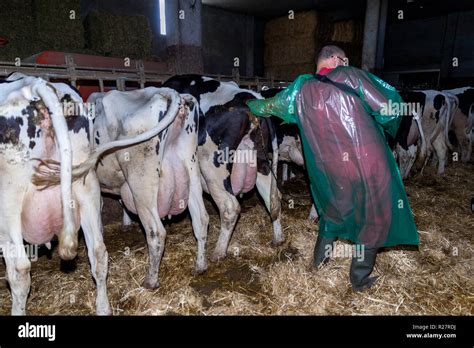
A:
<point x="151" y="284"/>
<point x="68" y="248"/>
<point x="104" y="311"/>
<point x="67" y="254"/>
<point x="277" y="242"/>
<point x="201" y="269"/>
<point x="217" y="256"/>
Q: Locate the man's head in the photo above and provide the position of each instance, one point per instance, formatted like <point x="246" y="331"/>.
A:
<point x="330" y="56"/>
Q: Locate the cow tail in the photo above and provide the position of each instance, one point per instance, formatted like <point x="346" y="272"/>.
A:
<point x="68" y="236"/>
<point x="451" y="109"/>
<point x="47" y="172"/>
<point x="275" y="194"/>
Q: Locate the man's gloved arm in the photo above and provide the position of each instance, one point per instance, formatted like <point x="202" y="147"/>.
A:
<point x="282" y="105"/>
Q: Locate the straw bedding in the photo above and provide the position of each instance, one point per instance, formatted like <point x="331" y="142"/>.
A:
<point x="257" y="279"/>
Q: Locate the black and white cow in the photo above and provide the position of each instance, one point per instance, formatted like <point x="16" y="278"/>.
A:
<point x="435" y="111"/>
<point x="32" y="125"/>
<point x="159" y="177"/>
<point x="463" y="120"/>
<point x="288" y="139"/>
<point x="233" y="151"/>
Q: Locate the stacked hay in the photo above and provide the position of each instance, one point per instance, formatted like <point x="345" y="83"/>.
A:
<point x="290" y="45"/>
<point x="59" y="26"/>
<point x="16" y="17"/>
<point x="349" y="31"/>
<point x="119" y="35"/>
<point x="348" y="35"/>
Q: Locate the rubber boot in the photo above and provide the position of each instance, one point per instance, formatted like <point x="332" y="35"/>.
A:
<point x="320" y="250"/>
<point x="361" y="270"/>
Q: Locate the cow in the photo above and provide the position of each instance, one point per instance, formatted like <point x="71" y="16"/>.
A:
<point x="434" y="110"/>
<point x="233" y="152"/>
<point x="158" y="178"/>
<point x="410" y="136"/>
<point x="28" y="130"/>
<point x="154" y="177"/>
<point x="463" y="120"/>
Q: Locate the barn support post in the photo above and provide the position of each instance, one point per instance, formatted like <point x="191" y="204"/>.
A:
<point x="371" y="27"/>
<point x="379" y="63"/>
<point x="184" y="38"/>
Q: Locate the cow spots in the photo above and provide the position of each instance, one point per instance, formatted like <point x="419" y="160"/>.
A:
<point x="97" y="138"/>
<point x="10" y="130"/>
<point x="77" y="123"/>
<point x="200" y="86"/>
<point x="32" y="144"/>
<point x="228" y="185"/>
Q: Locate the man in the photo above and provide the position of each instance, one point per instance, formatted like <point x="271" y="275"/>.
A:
<point x="354" y="179"/>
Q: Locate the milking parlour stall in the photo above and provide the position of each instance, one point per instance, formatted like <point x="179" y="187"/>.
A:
<point x="233" y="164"/>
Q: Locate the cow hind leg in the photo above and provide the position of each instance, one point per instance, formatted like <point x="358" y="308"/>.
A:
<point x="272" y="203"/>
<point x="200" y="221"/>
<point x="91" y="224"/>
<point x="155" y="237"/>
<point x="18" y="269"/>
<point x="229" y="210"/>
<point x="441" y="151"/>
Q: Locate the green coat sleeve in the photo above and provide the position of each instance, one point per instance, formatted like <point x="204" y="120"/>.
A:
<point x="382" y="99"/>
<point x="282" y="105"/>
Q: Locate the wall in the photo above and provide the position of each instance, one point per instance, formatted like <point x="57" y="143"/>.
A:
<point x="431" y="44"/>
<point x="226" y="35"/>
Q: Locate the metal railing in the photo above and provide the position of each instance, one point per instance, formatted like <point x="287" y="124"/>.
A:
<point x="74" y="73"/>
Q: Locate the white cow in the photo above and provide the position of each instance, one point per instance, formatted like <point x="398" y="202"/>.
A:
<point x="463" y="120"/>
<point x="158" y="178"/>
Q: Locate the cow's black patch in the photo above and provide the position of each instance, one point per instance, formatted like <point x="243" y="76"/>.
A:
<point x="66" y="98"/>
<point x="33" y="119"/>
<point x="10" y="130"/>
<point x="271" y="92"/>
<point x="192" y="84"/>
<point x="228" y="185"/>
<point x="76" y="123"/>
<point x="32" y="144"/>
<point x="466" y="99"/>
<point x="260" y="137"/>
<point x="97" y="141"/>
<point x="157" y="149"/>
<point x="439" y="101"/>
<point x="161" y="115"/>
<point x="402" y="133"/>
<point x="216" y="160"/>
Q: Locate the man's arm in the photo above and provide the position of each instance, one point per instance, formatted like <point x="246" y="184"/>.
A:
<point x="381" y="97"/>
<point x="282" y="105"/>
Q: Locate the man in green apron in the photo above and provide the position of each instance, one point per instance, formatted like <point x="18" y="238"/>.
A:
<point x="342" y="113"/>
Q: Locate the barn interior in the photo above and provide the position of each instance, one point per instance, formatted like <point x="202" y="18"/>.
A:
<point x="104" y="45"/>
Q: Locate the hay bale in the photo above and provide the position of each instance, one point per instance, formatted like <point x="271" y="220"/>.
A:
<point x="118" y="35"/>
<point x="349" y="31"/>
<point x="304" y="24"/>
<point x="56" y="30"/>
<point x="16" y="24"/>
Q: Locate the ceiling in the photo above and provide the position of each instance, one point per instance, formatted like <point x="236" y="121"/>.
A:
<point x="272" y="8"/>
